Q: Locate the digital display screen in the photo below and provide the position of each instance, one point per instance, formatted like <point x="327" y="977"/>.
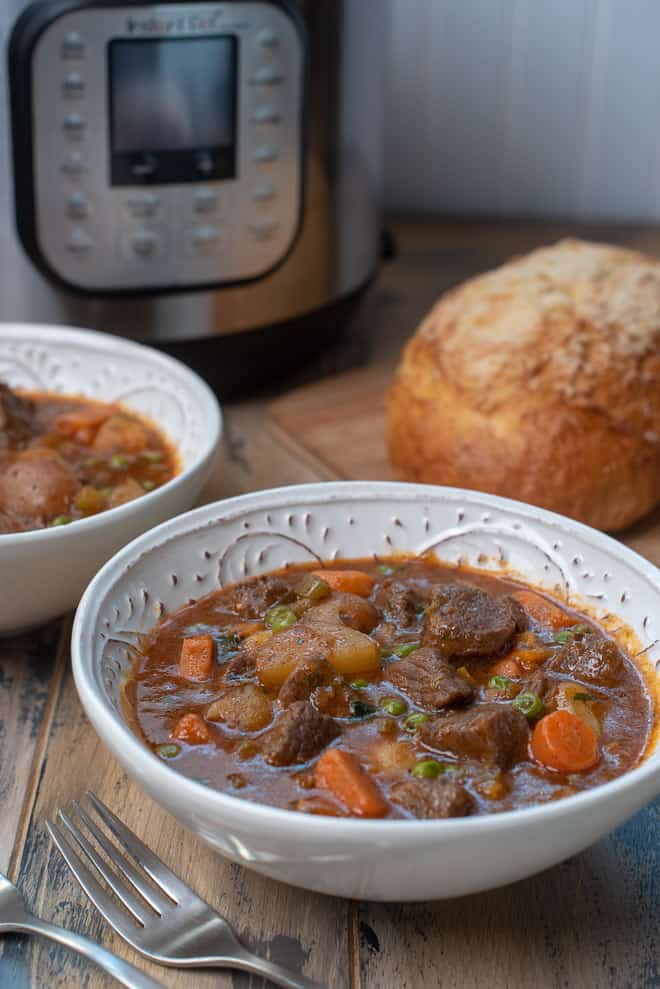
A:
<point x="173" y="110"/>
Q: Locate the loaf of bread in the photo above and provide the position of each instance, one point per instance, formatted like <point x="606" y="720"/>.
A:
<point x="540" y="381"/>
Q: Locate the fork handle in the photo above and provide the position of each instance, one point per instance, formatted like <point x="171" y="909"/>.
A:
<point x="122" y="971"/>
<point x="247" y="962"/>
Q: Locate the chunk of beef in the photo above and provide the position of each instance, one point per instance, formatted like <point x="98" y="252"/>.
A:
<point x="303" y="680"/>
<point x="241" y="665"/>
<point x="591" y="659"/>
<point x="465" y="621"/>
<point x="495" y="734"/>
<point x="519" y="614"/>
<point x="536" y="683"/>
<point x="16" y="419"/>
<point x="429" y="680"/>
<point x="252" y="598"/>
<point x="427" y="799"/>
<point x="38" y="485"/>
<point x="399" y="602"/>
<point x="299" y="734"/>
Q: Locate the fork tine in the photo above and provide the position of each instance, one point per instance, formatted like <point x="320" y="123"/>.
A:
<point x="101" y="900"/>
<point x="156" y="900"/>
<point x="155" y="868"/>
<point x="131" y="902"/>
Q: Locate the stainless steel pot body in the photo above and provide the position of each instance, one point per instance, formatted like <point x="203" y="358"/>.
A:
<point x="337" y="246"/>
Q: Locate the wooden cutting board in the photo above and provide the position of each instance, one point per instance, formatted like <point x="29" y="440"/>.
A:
<point x="338" y="425"/>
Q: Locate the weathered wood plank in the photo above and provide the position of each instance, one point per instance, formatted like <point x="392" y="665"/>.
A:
<point x="29" y="675"/>
<point x="591" y="921"/>
<point x="295" y="928"/>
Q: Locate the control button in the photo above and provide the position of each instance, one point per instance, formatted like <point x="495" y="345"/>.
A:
<point x="205" y="201"/>
<point x="266" y="115"/>
<point x="263" y="229"/>
<point x="73" y="46"/>
<point x="264" y="192"/>
<point x="143" y="205"/>
<point x="77" y="206"/>
<point x="267" y="39"/>
<point x="267" y="76"/>
<point x="146" y="243"/>
<point x="79" y="241"/>
<point x="143" y="166"/>
<point x="203" y="240"/>
<point x="74" y="126"/>
<point x="264" y="153"/>
<point x="73" y="85"/>
<point x="74" y="164"/>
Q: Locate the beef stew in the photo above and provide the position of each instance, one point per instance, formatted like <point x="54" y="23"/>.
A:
<point x="65" y="458"/>
<point x="398" y="688"/>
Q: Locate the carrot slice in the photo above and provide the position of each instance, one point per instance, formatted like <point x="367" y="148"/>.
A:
<point x="349" y="581"/>
<point x="196" y="657"/>
<point x="564" y="742"/>
<point x="85" y="419"/>
<point x="341" y="773"/>
<point x="191" y="728"/>
<point x="542" y="610"/>
<point x="507" y="667"/>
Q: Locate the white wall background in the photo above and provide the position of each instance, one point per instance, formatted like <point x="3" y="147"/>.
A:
<point x="525" y="107"/>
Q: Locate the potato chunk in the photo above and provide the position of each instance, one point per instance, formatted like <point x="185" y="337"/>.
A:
<point x="121" y="434"/>
<point x="352" y="652"/>
<point x="245" y="708"/>
<point x="280" y="654"/>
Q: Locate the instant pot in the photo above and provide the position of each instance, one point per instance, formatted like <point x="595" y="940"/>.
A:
<point x="185" y="171"/>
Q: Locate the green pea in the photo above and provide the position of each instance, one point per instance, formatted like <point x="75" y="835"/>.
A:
<point x="561" y="638"/>
<point x="280" y="617"/>
<point x="153" y="456"/>
<point x="361" y="710"/>
<point x="528" y="704"/>
<point x="312" y="587"/>
<point x="413" y="721"/>
<point x="385" y="569"/>
<point x="59" y="520"/>
<point x="582" y="629"/>
<point x="405" y="649"/>
<point x="394" y="706"/>
<point x="119" y="461"/>
<point x="359" y="684"/>
<point x="427" y="769"/>
<point x="504" y="684"/>
<point x="168" y="751"/>
<point x="148" y="485"/>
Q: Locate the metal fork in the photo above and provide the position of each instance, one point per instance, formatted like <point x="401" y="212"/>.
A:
<point x="167" y="922"/>
<point x="14" y="916"/>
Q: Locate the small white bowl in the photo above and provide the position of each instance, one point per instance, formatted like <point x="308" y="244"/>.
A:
<point x="43" y="572"/>
<point x="377" y="860"/>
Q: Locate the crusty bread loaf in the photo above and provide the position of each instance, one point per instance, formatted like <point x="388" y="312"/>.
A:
<point x="540" y="381"/>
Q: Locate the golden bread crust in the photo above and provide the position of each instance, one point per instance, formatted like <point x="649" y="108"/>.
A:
<point x="540" y="381"/>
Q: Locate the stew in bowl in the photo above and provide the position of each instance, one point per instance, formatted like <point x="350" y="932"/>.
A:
<point x="64" y="458"/>
<point x="389" y="688"/>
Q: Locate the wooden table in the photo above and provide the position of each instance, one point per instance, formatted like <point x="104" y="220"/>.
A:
<point x="591" y="921"/>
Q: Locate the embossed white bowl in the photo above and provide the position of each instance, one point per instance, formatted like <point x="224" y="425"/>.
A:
<point x="43" y="573"/>
<point x="378" y="860"/>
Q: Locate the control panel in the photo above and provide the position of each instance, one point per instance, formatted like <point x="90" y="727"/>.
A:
<point x="166" y="143"/>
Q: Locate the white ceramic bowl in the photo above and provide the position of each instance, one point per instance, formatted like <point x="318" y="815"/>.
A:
<point x="43" y="573"/>
<point x="379" y="860"/>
